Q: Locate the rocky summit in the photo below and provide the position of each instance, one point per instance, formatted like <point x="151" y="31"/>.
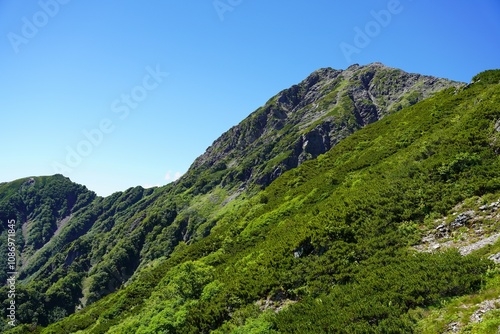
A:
<point x="309" y="118"/>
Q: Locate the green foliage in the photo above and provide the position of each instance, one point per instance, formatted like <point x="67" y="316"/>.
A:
<point x="487" y="77"/>
<point x="383" y="291"/>
<point x="178" y="291"/>
<point x="324" y="248"/>
<point x="460" y="162"/>
<point x="326" y="244"/>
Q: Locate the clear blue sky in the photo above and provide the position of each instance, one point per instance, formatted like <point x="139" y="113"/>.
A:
<point x="85" y="65"/>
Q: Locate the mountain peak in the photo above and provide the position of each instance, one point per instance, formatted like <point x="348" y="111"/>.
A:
<point x="308" y="119"/>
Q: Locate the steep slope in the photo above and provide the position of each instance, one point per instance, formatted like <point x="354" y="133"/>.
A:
<point x="92" y="249"/>
<point x="62" y="231"/>
<point x="326" y="247"/>
<point x="42" y="206"/>
<point x="308" y="119"/>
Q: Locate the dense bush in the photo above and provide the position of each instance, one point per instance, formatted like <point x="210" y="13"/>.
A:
<point x="326" y="244"/>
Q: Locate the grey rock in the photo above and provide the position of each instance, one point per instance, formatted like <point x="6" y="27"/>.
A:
<point x="454" y="327"/>
<point x="495" y="257"/>
<point x="462" y="219"/>
<point x="484" y="307"/>
<point x="492" y="206"/>
<point x="442" y="231"/>
<point x="298" y="252"/>
<point x="441" y="227"/>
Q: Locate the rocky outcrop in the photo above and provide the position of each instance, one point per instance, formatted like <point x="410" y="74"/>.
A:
<point x="495" y="257"/>
<point x="484" y="307"/>
<point x="469" y="231"/>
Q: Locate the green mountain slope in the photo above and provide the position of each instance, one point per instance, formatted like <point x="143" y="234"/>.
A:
<point x="89" y="246"/>
<point x="324" y="248"/>
<point x="43" y="205"/>
<point x="328" y="246"/>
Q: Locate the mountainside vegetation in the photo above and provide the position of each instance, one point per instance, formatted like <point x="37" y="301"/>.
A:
<point x="308" y="217"/>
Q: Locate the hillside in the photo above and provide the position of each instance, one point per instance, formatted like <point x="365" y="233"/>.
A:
<point x="105" y="240"/>
<point x="241" y="245"/>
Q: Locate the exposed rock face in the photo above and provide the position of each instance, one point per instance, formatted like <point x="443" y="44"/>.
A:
<point x="314" y="116"/>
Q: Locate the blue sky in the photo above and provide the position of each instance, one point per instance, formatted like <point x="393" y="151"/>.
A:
<point x="115" y="94"/>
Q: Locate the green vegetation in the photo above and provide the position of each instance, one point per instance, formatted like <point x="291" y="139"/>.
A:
<point x="325" y="248"/>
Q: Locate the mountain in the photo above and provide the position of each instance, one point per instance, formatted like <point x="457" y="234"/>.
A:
<point x="308" y="119"/>
<point x="305" y="217"/>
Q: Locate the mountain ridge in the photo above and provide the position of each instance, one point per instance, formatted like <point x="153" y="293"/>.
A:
<point x="106" y="244"/>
